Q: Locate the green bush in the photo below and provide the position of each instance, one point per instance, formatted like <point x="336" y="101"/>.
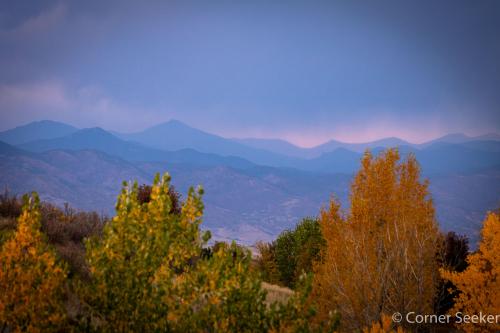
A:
<point x="284" y="260"/>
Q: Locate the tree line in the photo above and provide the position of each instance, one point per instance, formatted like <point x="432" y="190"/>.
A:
<point x="149" y="268"/>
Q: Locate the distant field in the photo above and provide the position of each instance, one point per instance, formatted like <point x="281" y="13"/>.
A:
<point x="276" y="293"/>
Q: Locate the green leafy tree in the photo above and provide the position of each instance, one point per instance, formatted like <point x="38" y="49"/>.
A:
<point x="286" y="257"/>
<point x="147" y="273"/>
<point x="308" y="243"/>
<point x="284" y="260"/>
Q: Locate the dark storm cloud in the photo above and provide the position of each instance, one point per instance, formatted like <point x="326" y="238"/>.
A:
<point x="306" y="71"/>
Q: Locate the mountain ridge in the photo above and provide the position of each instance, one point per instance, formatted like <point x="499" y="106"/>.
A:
<point x="37" y="130"/>
<point x="175" y="135"/>
<point x="434" y="157"/>
<point x="100" y="140"/>
<point x="249" y="204"/>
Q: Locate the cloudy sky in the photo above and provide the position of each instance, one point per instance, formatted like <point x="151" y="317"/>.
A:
<point x="304" y="71"/>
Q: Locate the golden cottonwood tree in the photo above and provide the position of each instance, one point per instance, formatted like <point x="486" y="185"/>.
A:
<point x="384" y="326"/>
<point x="479" y="284"/>
<point x="31" y="281"/>
<point x="381" y="256"/>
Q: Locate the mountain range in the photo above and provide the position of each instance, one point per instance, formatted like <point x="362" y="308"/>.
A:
<point x="254" y="188"/>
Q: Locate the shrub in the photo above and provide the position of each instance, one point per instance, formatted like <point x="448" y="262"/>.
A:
<point x="266" y="263"/>
<point x="65" y="229"/>
<point x="7" y="228"/>
<point x="10" y="205"/>
<point x="144" y="196"/>
<point x="69" y="225"/>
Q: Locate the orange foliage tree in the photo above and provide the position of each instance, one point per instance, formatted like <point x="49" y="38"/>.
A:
<point x="479" y="284"/>
<point x="384" y="326"/>
<point x="381" y="256"/>
<point x="31" y="280"/>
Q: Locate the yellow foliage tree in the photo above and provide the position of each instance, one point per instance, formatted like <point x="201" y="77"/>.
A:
<point x="31" y="280"/>
<point x="147" y="274"/>
<point x="479" y="284"/>
<point x="125" y="293"/>
<point x="381" y="256"/>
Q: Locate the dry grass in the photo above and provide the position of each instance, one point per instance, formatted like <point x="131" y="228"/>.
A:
<point x="276" y="293"/>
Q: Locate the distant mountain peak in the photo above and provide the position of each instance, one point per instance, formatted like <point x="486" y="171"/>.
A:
<point x="456" y="135"/>
<point x="41" y="122"/>
<point x="173" y="122"/>
<point x="97" y="130"/>
<point x="176" y="122"/>
<point x="37" y="130"/>
<point x="458" y="138"/>
<point x="94" y="133"/>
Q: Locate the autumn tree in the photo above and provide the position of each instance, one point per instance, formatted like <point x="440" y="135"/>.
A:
<point x="266" y="262"/>
<point x="147" y="273"/>
<point x="380" y="257"/>
<point x="385" y="325"/>
<point x="142" y="237"/>
<point x="479" y="284"/>
<point x="31" y="279"/>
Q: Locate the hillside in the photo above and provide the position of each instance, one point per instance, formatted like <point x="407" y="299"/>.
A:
<point x="101" y="140"/>
<point x="254" y="188"/>
<point x="244" y="203"/>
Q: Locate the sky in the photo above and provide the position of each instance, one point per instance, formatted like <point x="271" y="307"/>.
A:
<point x="304" y="71"/>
